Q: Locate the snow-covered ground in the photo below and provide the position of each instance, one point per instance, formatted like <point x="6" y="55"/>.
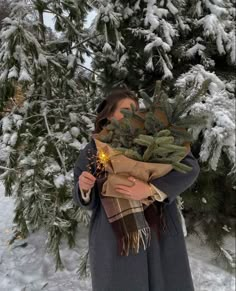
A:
<point x="31" y="268"/>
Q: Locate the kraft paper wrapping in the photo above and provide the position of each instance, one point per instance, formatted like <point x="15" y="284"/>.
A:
<point x="119" y="168"/>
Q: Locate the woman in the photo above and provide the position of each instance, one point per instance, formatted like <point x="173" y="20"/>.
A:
<point x="164" y="264"/>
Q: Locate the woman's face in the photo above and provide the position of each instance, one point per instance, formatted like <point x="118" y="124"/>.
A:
<point x="122" y="104"/>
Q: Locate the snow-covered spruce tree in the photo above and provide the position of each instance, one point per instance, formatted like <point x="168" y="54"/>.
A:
<point x="41" y="139"/>
<point x="184" y="43"/>
<point x="210" y="203"/>
<point x="142" y="40"/>
<point x="4" y="10"/>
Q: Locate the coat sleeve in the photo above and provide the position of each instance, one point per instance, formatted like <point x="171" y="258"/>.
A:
<point x="86" y="157"/>
<point x="174" y="183"/>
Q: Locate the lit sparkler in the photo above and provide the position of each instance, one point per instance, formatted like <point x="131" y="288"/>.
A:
<point x="102" y="158"/>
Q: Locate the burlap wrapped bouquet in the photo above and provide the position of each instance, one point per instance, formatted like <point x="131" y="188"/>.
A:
<point x="119" y="167"/>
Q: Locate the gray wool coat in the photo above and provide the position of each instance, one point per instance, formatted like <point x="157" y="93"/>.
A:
<point x="164" y="265"/>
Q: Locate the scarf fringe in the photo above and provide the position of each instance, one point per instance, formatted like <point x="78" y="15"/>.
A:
<point x="132" y="241"/>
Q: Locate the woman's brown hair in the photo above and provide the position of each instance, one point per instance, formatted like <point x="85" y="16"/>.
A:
<point x="109" y="104"/>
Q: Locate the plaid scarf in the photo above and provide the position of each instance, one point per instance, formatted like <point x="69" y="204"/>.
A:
<point x="131" y="220"/>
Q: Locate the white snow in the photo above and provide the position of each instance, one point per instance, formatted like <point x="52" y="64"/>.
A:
<point x="197" y="48"/>
<point x="218" y="10"/>
<point x="24" y="76"/>
<point x="212" y="26"/>
<point x="204" y="200"/>
<point x="53" y="167"/>
<point x="168" y="31"/>
<point x="13" y="73"/>
<point x="219" y="132"/>
<point x="157" y="41"/>
<point x="30" y="267"/>
<point x="128" y="12"/>
<point x="75" y="131"/>
<point x="171" y="7"/>
<point x="149" y="64"/>
<point x="59" y="181"/>
<point x="151" y="17"/>
<point x="6" y="137"/>
<point x="27" y="161"/>
<point x="42" y="60"/>
<point x="71" y="61"/>
<point x="66" y="137"/>
<point x="9" y="31"/>
<point x="4" y="152"/>
<point x="136" y="6"/>
<point x="88" y="122"/>
<point x="73" y="117"/>
<point x="13" y="138"/>
<point x="79" y="145"/>
<point x="231" y="46"/>
<point x="6" y="124"/>
<point x="166" y="70"/>
<point x="3" y="75"/>
<point x="107" y="48"/>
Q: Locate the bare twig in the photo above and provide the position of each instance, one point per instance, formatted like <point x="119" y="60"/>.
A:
<point x="50" y="134"/>
<point x="9" y="169"/>
<point x="88" y="69"/>
<point x="87" y="39"/>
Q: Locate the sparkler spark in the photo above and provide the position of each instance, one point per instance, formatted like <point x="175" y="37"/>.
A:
<point x="102" y="158"/>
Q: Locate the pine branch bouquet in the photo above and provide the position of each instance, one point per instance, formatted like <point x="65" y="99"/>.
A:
<point x="147" y="143"/>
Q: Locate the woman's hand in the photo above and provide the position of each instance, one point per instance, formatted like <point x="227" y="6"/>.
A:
<point x="139" y="191"/>
<point x="86" y="181"/>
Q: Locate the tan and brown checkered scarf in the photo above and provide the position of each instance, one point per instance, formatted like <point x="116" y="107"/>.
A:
<point x="131" y="220"/>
